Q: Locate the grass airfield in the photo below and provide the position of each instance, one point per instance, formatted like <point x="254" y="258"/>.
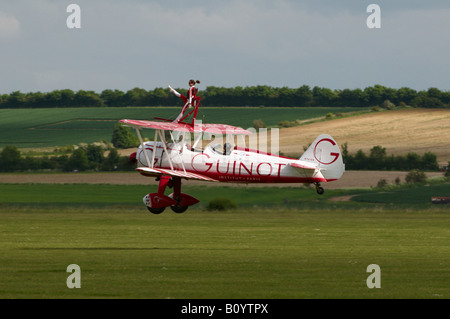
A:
<point x="280" y="243"/>
<point x="311" y="248"/>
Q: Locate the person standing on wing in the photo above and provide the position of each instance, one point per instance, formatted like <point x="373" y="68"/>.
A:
<point x="192" y="95"/>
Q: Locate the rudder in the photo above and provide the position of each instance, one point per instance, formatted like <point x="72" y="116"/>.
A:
<point x="325" y="153"/>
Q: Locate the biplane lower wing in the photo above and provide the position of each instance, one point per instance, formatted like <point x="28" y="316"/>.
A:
<point x="147" y="171"/>
<point x="184" y="127"/>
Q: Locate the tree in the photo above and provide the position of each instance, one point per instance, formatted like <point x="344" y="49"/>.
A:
<point x="112" y="98"/>
<point x="136" y="97"/>
<point x="77" y="161"/>
<point x="378" y="152"/>
<point x="111" y="161"/>
<point x="345" y="154"/>
<point x="405" y="95"/>
<point x="434" y="92"/>
<point x="377" y="157"/>
<point x="10" y="159"/>
<point x="351" y="97"/>
<point x="324" y="96"/>
<point x="415" y="176"/>
<point x="303" y="95"/>
<point x="426" y="102"/>
<point x="429" y="162"/>
<point x="53" y="99"/>
<point x="360" y="160"/>
<point x="87" y="98"/>
<point x="413" y="161"/>
<point x="95" y="156"/>
<point x="375" y="95"/>
<point x="123" y="138"/>
<point x="16" y="100"/>
<point x="35" y="100"/>
<point x="286" y="97"/>
<point x="67" y="98"/>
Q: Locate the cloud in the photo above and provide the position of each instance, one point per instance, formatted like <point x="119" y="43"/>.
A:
<point x="9" y="26"/>
<point x="124" y="44"/>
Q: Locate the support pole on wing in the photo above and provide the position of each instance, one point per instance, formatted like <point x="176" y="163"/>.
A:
<point x="143" y="147"/>
<point x="178" y="151"/>
<point x="197" y="140"/>
<point x="154" y="147"/>
<point x="197" y="131"/>
<point x="163" y="139"/>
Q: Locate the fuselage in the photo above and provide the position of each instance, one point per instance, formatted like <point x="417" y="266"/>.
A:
<point x="226" y="165"/>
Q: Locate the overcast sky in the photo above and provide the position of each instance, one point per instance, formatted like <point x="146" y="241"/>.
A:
<point x="124" y="44"/>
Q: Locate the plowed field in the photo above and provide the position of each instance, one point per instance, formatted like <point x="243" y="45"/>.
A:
<point x="400" y="132"/>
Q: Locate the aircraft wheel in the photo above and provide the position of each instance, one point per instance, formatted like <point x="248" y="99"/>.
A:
<point x="179" y="209"/>
<point x="156" y="210"/>
<point x="320" y="190"/>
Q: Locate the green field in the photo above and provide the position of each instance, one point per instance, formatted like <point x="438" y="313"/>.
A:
<point x="88" y="195"/>
<point x="279" y="243"/>
<point x="26" y="128"/>
<point x="273" y="197"/>
<point x="239" y="254"/>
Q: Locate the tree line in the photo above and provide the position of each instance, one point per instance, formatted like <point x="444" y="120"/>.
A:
<point x="261" y="95"/>
<point x="377" y="159"/>
<point x="83" y="157"/>
<point x="86" y="158"/>
<point x="91" y="157"/>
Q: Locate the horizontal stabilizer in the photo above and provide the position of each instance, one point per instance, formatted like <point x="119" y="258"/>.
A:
<point x="304" y="165"/>
<point x="309" y="170"/>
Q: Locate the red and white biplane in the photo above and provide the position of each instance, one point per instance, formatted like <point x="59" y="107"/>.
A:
<point x="170" y="158"/>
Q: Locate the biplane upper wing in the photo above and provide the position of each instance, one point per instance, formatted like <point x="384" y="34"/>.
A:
<point x="166" y="126"/>
<point x="224" y="129"/>
<point x="148" y="171"/>
<point x="173" y="126"/>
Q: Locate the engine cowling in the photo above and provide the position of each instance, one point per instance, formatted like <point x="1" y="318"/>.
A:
<point x="141" y="159"/>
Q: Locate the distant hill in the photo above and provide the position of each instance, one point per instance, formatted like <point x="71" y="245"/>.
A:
<point x="399" y="131"/>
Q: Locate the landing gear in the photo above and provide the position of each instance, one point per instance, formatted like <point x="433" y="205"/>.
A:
<point x="319" y="189"/>
<point x="156" y="210"/>
<point x="178" y="201"/>
<point x="179" y="209"/>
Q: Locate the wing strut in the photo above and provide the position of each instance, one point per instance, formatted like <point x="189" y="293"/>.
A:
<point x="154" y="148"/>
<point x="150" y="164"/>
<point x="178" y="152"/>
<point x="143" y="146"/>
<point x="164" y="142"/>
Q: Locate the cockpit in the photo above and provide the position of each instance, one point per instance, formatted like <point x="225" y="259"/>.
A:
<point x="224" y="149"/>
<point x="218" y="148"/>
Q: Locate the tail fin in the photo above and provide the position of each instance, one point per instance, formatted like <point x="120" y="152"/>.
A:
<point x="325" y="153"/>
